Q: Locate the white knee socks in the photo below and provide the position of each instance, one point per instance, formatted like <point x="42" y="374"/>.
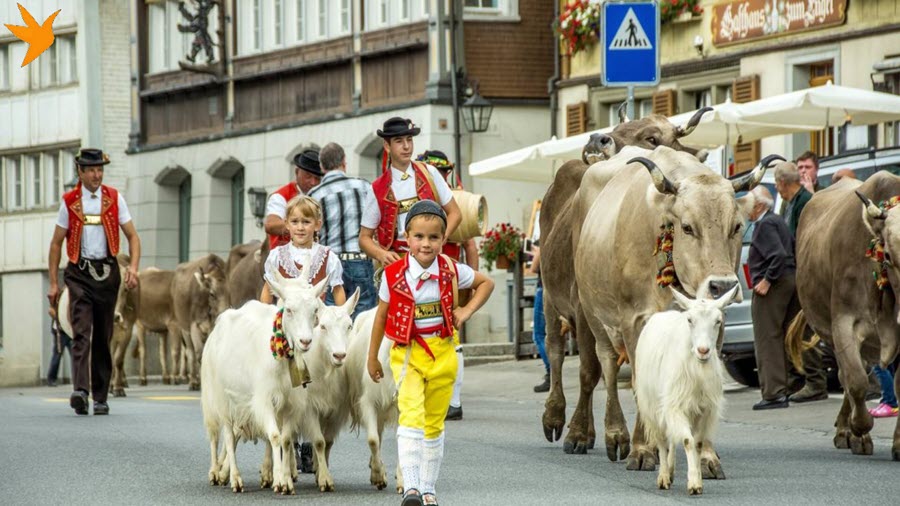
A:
<point x="431" y="466"/>
<point x="410" y="455"/>
<point x="457" y="386"/>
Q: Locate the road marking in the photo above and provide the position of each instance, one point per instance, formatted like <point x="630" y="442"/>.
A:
<point x="55" y="400"/>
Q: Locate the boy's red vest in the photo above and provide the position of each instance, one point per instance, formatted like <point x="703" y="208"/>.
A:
<point x="400" y="324"/>
<point x="386" y="233"/>
<point x="109" y="218"/>
<point x="287" y="191"/>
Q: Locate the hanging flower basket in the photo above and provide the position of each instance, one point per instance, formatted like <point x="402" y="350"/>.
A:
<point x="501" y="245"/>
<point x="672" y="10"/>
<point x="579" y="25"/>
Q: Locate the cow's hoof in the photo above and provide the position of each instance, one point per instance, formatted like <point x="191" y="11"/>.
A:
<point x="711" y="469"/>
<point x="378" y="479"/>
<point x="663" y="482"/>
<point x="618" y="445"/>
<point x="194" y="387"/>
<point x="213" y="478"/>
<point x="119" y="392"/>
<point x="842" y="439"/>
<point x="265" y="479"/>
<point x="641" y="459"/>
<point x="166" y="381"/>
<point x="553" y="426"/>
<point x="695" y="490"/>
<point x="895" y="454"/>
<point x="237" y="485"/>
<point x="575" y="447"/>
<point x="591" y="441"/>
<point x="861" y="445"/>
<point x="125" y="384"/>
<point x="143" y="382"/>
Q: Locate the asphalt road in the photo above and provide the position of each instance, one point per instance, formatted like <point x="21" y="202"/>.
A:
<point x="152" y="449"/>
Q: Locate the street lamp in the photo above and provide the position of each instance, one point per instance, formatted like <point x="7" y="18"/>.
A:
<point x="257" y="197"/>
<point x="476" y="112"/>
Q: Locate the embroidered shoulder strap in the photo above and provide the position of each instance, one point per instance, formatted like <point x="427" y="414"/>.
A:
<point x="427" y="173"/>
<point x="455" y="281"/>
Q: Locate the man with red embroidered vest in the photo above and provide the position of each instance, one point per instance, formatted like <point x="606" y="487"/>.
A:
<point x="307" y="174"/>
<point x="90" y="217"/>
<point x="381" y="234"/>
<point x="417" y="310"/>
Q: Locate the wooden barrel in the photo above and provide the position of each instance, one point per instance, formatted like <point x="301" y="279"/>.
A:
<point x="474" y="210"/>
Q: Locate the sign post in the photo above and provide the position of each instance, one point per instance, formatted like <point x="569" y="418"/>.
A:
<point x="629" y="32"/>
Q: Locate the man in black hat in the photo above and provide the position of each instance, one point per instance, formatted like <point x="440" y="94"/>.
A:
<point x="90" y="217"/>
<point x="307" y="174"/>
<point x="382" y="235"/>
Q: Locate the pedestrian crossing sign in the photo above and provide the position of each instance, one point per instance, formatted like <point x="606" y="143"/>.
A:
<point x="630" y="35"/>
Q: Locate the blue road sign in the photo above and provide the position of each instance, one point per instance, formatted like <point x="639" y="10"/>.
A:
<point x="629" y="32"/>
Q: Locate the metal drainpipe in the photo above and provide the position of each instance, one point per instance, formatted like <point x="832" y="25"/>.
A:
<point x="454" y="87"/>
<point x="551" y="83"/>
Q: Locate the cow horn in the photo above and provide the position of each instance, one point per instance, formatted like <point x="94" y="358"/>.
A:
<point x="662" y="183"/>
<point x="621" y="111"/>
<point x="748" y="182"/>
<point x="692" y="123"/>
<point x="871" y="209"/>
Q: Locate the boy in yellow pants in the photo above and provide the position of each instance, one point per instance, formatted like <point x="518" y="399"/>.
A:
<point x="417" y="310"/>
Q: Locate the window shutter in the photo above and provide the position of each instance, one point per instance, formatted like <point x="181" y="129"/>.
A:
<point x="746" y="156"/>
<point x="664" y="103"/>
<point x="576" y="118"/>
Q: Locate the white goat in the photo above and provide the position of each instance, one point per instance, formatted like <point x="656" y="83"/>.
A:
<point x="322" y="409"/>
<point x="678" y="382"/>
<point x="374" y="404"/>
<point x="245" y="390"/>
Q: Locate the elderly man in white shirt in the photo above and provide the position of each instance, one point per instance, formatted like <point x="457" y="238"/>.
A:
<point x="90" y="217"/>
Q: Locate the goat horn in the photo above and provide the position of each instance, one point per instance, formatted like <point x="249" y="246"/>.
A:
<point x="692" y="123"/>
<point x="621" y="111"/>
<point x="871" y="209"/>
<point x="749" y="182"/>
<point x="662" y="183"/>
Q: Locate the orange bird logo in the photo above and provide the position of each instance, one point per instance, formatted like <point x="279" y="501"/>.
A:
<point x="38" y="37"/>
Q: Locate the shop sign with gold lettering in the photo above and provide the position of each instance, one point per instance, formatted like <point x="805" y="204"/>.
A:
<point x="740" y="21"/>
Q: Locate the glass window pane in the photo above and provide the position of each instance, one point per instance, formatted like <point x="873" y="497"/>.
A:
<point x="257" y="22"/>
<point x="52" y="178"/>
<point x="345" y="16"/>
<point x="323" y="18"/>
<point x="279" y="17"/>
<point x="4" y="66"/>
<point x="404" y="9"/>
<point x="301" y="20"/>
<point x="14" y="182"/>
<point x="33" y="169"/>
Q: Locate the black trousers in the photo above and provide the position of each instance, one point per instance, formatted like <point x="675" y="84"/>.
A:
<point x="772" y="315"/>
<point x="92" y="305"/>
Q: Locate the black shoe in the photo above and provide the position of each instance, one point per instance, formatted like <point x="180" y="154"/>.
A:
<point x="411" y="497"/>
<point x="454" y="413"/>
<point x="808" y="395"/>
<point x="778" y="402"/>
<point x="79" y="402"/>
<point x="305" y="458"/>
<point x="543" y="387"/>
<point x="51" y="383"/>
<point x="101" y="408"/>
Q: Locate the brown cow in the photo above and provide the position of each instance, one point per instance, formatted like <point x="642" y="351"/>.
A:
<point x="127" y="307"/>
<point x="557" y="257"/>
<point x="245" y="268"/>
<point x="842" y="302"/>
<point x="156" y="315"/>
<point x="199" y="295"/>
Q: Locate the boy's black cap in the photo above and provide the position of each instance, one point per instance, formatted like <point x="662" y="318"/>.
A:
<point x="425" y="207"/>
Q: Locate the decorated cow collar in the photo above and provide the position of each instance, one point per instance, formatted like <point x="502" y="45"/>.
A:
<point x="875" y="251"/>
<point x="279" y="344"/>
<point x="666" y="274"/>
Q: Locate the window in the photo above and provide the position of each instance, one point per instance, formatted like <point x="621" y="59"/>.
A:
<point x="237" y="208"/>
<point x="279" y="18"/>
<point x="53" y="177"/>
<point x="68" y="59"/>
<point x="481" y="4"/>
<point x="404" y="10"/>
<point x="644" y="108"/>
<point x="323" y="18"/>
<point x="14" y="182"/>
<point x="301" y="20"/>
<point x="35" y="189"/>
<point x="184" y="220"/>
<point x="345" y="16"/>
<point x="257" y="25"/>
<point x="4" y="66"/>
<point x="382" y="12"/>
<point x="67" y="167"/>
<point x="48" y="67"/>
<point x="702" y="98"/>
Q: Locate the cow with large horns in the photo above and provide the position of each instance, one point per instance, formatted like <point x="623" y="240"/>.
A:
<point x="560" y="300"/>
<point x="840" y="243"/>
<point x="633" y="210"/>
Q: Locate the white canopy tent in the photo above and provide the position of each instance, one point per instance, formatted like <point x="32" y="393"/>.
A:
<point x="728" y="124"/>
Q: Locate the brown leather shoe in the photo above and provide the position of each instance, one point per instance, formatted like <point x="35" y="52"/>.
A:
<point x="79" y="402"/>
<point x="807" y="394"/>
<point x="778" y="402"/>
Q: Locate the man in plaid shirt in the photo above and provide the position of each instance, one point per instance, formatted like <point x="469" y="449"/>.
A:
<point x="343" y="199"/>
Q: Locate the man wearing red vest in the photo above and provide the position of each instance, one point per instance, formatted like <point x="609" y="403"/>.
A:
<point x="381" y="234"/>
<point x="89" y="220"/>
<point x="307" y="174"/>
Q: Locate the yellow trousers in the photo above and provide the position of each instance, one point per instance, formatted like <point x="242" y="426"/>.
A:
<point x="427" y="384"/>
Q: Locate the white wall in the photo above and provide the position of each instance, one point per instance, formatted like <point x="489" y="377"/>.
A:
<point x="26" y="333"/>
